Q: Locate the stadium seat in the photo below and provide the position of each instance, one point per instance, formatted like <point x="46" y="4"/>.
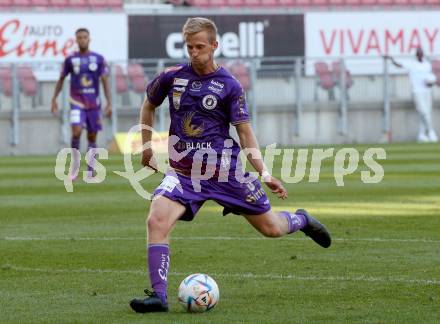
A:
<point x="324" y="79"/>
<point x="286" y="3"/>
<point x="336" y="2"/>
<point x="236" y="3"/>
<point x="78" y="3"/>
<point x="6" y="3"/>
<point x="269" y="3"/>
<point x="252" y="3"/>
<point x="136" y="76"/>
<point x="60" y="3"/>
<point x="401" y="2"/>
<point x="240" y="71"/>
<point x="41" y="3"/>
<point x="336" y="71"/>
<point x="6" y="81"/>
<point x="27" y="80"/>
<point x="121" y="81"/>
<point x="385" y="2"/>
<point x="199" y="3"/>
<point x="115" y="4"/>
<point x="218" y="3"/>
<point x="353" y="2"/>
<point x="318" y="2"/>
<point x="98" y="3"/>
<point x="417" y="2"/>
<point x="22" y="3"/>
<point x="436" y="70"/>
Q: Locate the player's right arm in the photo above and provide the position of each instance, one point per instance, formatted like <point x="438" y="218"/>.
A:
<point x="157" y="91"/>
<point x="59" y="86"/>
<point x="147" y="119"/>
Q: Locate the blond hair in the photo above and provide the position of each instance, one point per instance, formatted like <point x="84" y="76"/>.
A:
<point x="198" y="24"/>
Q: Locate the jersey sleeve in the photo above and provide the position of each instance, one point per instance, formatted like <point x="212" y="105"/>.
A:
<point x="158" y="88"/>
<point x="238" y="110"/>
<point x="103" y="68"/>
<point x="66" y="67"/>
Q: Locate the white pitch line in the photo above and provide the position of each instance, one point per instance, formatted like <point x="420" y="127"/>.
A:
<point x="213" y="238"/>
<point x="247" y="275"/>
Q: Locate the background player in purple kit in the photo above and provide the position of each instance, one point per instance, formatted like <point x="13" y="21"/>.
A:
<point x="204" y="100"/>
<point x="86" y="69"/>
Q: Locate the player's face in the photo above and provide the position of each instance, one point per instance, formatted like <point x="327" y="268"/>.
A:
<point x="200" y="49"/>
<point x="83" y="40"/>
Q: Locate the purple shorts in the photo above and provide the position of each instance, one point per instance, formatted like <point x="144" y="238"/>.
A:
<point x="86" y="118"/>
<point x="238" y="198"/>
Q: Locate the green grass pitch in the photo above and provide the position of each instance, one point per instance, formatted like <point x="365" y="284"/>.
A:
<point x="80" y="257"/>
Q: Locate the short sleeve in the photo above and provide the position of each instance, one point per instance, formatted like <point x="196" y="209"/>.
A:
<point x="103" y="69"/>
<point x="66" y="68"/>
<point x="158" y="88"/>
<point x="238" y="112"/>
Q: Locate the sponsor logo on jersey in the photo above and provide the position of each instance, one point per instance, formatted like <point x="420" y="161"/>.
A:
<point x="179" y="89"/>
<point x="180" y="82"/>
<point x="209" y="102"/>
<point x="196" y="85"/>
<point x="189" y="128"/>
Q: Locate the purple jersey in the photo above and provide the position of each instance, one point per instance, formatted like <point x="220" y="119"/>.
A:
<point x="85" y="72"/>
<point x="201" y="110"/>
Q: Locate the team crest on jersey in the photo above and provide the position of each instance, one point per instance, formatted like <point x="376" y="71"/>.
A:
<point x="93" y="66"/>
<point x="176" y="99"/>
<point x="209" y="102"/>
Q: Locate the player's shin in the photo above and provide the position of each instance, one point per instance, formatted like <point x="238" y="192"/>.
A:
<point x="91" y="165"/>
<point x="158" y="265"/>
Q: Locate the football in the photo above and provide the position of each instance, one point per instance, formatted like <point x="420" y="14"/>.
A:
<point x="198" y="293"/>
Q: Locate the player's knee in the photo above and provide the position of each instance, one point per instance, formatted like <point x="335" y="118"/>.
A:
<point x="91" y="137"/>
<point x="157" y="221"/>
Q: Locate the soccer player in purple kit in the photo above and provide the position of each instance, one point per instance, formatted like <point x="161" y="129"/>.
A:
<point x="86" y="69"/>
<point x="204" y="100"/>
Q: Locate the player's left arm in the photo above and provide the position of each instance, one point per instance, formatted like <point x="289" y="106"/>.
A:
<point x="249" y="143"/>
<point x="108" y="97"/>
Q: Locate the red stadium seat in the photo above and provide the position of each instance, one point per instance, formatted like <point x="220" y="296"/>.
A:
<point x="401" y="2"/>
<point x="218" y="3"/>
<point x="199" y="3"/>
<point x="353" y="2"/>
<point x="78" y="3"/>
<point x="385" y="2"/>
<point x="325" y="79"/>
<point x="236" y="3"/>
<point x="60" y="3"/>
<point x="336" y="71"/>
<point x="436" y="69"/>
<point x="40" y="3"/>
<point x="136" y="76"/>
<point x="336" y="2"/>
<point x="368" y="2"/>
<point x="240" y="71"/>
<point x="22" y="3"/>
<point x="121" y="81"/>
<point x="6" y="3"/>
<point x="269" y="3"/>
<point x="115" y="4"/>
<point x="252" y="3"/>
<point x="417" y="2"/>
<point x="6" y="80"/>
<point x="27" y="80"/>
<point x="433" y="2"/>
<point x="98" y="3"/>
<point x="318" y="2"/>
<point x="303" y="3"/>
<point x="286" y="3"/>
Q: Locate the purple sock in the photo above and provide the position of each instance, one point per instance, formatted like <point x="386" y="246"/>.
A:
<point x="296" y="222"/>
<point x="92" y="146"/>
<point x="158" y="265"/>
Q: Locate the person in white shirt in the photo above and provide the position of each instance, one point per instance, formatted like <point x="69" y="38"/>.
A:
<point x="422" y="79"/>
